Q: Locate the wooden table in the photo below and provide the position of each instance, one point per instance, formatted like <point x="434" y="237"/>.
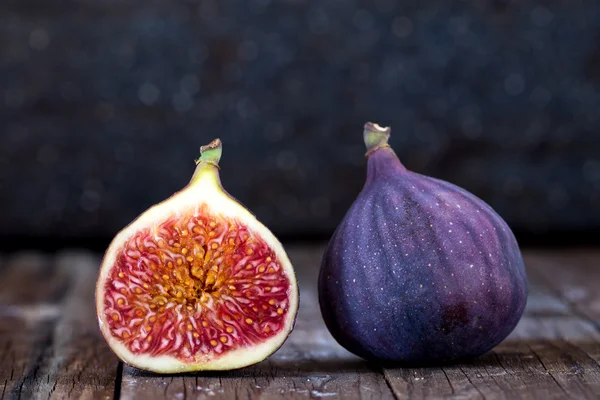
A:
<point x="50" y="346"/>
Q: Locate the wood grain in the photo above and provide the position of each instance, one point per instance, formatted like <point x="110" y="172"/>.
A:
<point x="49" y="335"/>
<point x="50" y="346"/>
<point x="573" y="276"/>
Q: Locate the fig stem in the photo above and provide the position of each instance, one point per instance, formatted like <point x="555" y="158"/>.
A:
<point x="376" y="137"/>
<point x="211" y="153"/>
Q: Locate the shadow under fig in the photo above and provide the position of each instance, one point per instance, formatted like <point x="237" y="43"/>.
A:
<point x="505" y="356"/>
<point x="279" y="368"/>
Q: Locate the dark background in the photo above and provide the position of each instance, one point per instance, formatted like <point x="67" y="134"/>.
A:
<point x="104" y="105"/>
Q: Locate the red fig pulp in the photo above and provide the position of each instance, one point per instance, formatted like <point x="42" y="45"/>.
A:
<point x="419" y="271"/>
<point x="196" y="282"/>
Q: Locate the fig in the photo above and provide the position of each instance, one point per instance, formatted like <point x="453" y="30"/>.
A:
<point x="196" y="282"/>
<point x="419" y="271"/>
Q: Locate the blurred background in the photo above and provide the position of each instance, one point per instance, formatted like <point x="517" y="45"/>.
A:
<point x="104" y="104"/>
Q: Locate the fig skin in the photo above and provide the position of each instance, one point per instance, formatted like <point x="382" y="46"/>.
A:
<point x="419" y="271"/>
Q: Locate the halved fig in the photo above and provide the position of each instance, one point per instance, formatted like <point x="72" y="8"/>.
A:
<point x="196" y="282"/>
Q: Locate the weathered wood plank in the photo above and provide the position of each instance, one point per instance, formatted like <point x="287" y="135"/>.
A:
<point x="25" y="280"/>
<point x="50" y="346"/>
<point x="55" y="349"/>
<point x="309" y="365"/>
<point x="552" y="354"/>
<point x="545" y="267"/>
<point x="573" y="276"/>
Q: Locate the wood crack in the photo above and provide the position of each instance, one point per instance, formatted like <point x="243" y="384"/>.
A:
<point x="72" y="386"/>
<point x="40" y="348"/>
<point x="53" y="388"/>
<point x="389" y="384"/>
<point x="118" y="381"/>
<point x="548" y="371"/>
<point x="493" y="376"/>
<point x="184" y="387"/>
<point x="449" y="382"/>
<point x="471" y="382"/>
<point x="507" y="373"/>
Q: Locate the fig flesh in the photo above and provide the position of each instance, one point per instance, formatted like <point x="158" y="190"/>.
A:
<point x="419" y="271"/>
<point x="196" y="282"/>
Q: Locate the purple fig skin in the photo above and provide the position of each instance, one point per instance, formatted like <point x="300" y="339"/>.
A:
<point x="420" y="271"/>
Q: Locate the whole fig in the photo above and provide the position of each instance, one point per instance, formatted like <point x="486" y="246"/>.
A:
<point x="419" y="271"/>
